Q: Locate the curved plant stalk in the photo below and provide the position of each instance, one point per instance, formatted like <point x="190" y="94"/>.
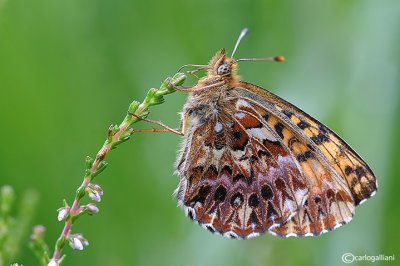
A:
<point x="116" y="136"/>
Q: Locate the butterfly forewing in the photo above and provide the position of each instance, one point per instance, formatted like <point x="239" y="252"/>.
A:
<point x="323" y="158"/>
<point x="350" y="166"/>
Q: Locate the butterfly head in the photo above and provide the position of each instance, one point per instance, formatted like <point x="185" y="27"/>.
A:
<point x="222" y="65"/>
<point x="222" y="69"/>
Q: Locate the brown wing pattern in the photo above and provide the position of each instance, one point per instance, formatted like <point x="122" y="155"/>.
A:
<point x="265" y="165"/>
<point x="338" y="178"/>
<point x="237" y="176"/>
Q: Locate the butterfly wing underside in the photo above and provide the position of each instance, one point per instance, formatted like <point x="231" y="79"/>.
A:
<point x="265" y="165"/>
<point x="237" y="178"/>
<point x="338" y="178"/>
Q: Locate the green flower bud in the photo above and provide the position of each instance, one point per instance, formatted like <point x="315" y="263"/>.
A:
<point x="133" y="106"/>
<point x="178" y="79"/>
<point x="89" y="162"/>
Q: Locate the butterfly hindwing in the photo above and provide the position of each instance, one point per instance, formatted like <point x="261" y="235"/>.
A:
<point x="237" y="176"/>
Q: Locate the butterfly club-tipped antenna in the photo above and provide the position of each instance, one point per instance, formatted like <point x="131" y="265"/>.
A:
<point x="271" y="59"/>
<point x="242" y="34"/>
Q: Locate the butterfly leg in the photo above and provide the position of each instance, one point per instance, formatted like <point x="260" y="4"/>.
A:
<point x="180" y="131"/>
<point x="180" y="88"/>
<point x="194" y="89"/>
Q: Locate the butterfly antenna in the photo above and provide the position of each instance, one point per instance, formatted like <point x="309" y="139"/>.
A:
<point x="242" y="34"/>
<point x="273" y="59"/>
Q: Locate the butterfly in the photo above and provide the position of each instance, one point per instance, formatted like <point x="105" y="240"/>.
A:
<point x="252" y="162"/>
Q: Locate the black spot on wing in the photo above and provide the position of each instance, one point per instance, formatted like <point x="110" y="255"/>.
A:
<point x="303" y="125"/>
<point x="348" y="170"/>
<point x="227" y="170"/>
<point x="317" y="199"/>
<point x="201" y="195"/>
<point x="261" y="153"/>
<point x="237" y="135"/>
<point x="266" y="192"/>
<point x="238" y="177"/>
<point x="209" y="228"/>
<point x="270" y="210"/>
<point x="287" y="113"/>
<point x="319" y="139"/>
<point x="253" y="200"/>
<point x="304" y="156"/>
<point x="220" y="194"/>
<point x="190" y="214"/>
<point x="253" y="218"/>
<point x="278" y="129"/>
<point x="360" y="172"/>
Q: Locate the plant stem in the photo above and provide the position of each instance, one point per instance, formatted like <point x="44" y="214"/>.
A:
<point x="116" y="135"/>
<point x="86" y="181"/>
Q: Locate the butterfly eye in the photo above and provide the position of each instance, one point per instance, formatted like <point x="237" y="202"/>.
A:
<point x="223" y="69"/>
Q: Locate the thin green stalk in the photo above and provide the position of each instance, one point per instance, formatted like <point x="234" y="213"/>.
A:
<point x="116" y="135"/>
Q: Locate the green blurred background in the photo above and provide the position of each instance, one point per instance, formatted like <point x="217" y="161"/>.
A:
<point x="69" y="69"/>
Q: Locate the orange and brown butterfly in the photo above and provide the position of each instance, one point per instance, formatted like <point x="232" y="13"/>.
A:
<point x="253" y="163"/>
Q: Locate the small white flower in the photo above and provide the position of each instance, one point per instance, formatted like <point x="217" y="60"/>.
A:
<point x="63" y="213"/>
<point x="92" y="208"/>
<point x="78" y="242"/>
<point x="85" y="243"/>
<point x="97" y="188"/>
<point x="95" y="192"/>
<point x="95" y="195"/>
<point x="53" y="263"/>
